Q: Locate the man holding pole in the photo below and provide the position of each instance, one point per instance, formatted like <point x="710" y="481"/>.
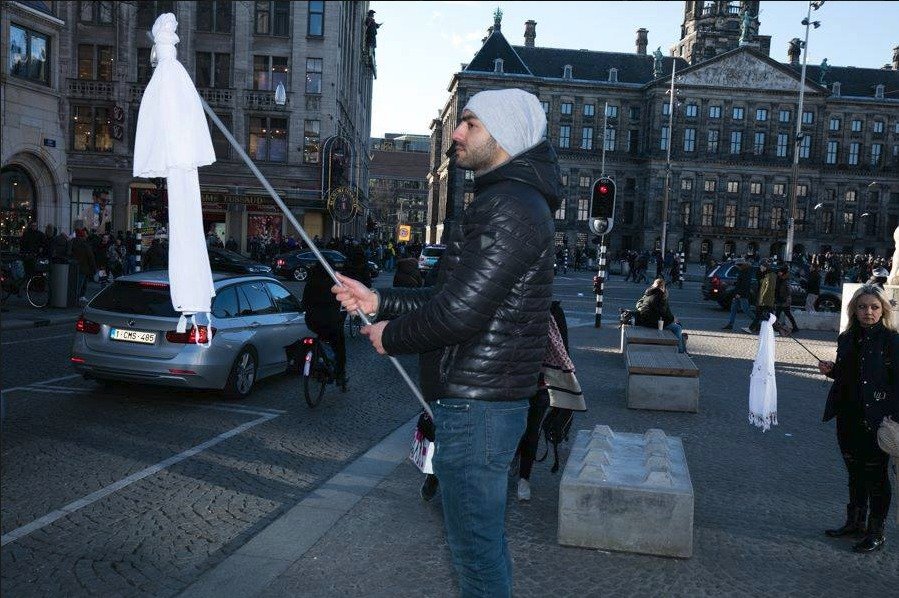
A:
<point x="481" y="330"/>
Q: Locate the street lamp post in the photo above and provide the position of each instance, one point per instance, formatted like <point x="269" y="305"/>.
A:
<point x="668" y="160"/>
<point x="791" y="226"/>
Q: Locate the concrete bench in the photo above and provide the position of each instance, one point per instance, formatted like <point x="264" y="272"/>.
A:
<point x="649" y="339"/>
<point x="661" y="381"/>
<point x="627" y="492"/>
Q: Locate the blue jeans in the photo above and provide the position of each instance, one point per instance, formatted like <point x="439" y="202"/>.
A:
<point x="476" y="441"/>
<point x="743" y="304"/>
<point x="678" y="331"/>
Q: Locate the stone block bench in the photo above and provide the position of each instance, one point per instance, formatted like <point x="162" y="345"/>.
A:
<point x="663" y="381"/>
<point x="650" y="339"/>
<point x="627" y="492"/>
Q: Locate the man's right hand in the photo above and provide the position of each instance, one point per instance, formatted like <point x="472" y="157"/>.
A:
<point x="825" y="367"/>
<point x="354" y="295"/>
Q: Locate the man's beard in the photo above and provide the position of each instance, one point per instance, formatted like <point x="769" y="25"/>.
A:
<point x="478" y="158"/>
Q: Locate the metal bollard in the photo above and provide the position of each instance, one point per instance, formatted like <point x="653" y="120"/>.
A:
<point x="600" y="282"/>
<point x="138" y="246"/>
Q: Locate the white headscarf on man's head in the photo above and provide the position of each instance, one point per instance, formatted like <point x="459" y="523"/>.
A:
<point x="513" y="117"/>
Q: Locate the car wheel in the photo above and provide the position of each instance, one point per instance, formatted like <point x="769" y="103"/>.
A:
<point x="300" y="274"/>
<point x="243" y="375"/>
<point x="827" y="303"/>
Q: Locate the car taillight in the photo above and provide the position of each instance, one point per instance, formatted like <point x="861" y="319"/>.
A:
<point x="196" y="335"/>
<point x="309" y="341"/>
<point x="86" y="326"/>
<point x="280" y="263"/>
<point x="716" y="281"/>
<point x="153" y="285"/>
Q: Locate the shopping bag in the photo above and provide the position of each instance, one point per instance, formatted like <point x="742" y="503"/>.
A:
<point x="422" y="451"/>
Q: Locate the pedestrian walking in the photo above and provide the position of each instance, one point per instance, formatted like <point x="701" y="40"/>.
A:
<point x="812" y="287"/>
<point x="865" y="391"/>
<point x="783" y="298"/>
<point x="764" y="303"/>
<point x="740" y="300"/>
<point x="480" y="330"/>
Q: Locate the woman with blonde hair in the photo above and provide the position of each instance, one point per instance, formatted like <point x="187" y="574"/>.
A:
<point x="864" y="392"/>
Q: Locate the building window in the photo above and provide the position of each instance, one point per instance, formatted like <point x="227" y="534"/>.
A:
<point x="313" y="75"/>
<point x="565" y="136"/>
<point x="709" y="185"/>
<point x="583" y="209"/>
<point x="799" y="223"/>
<point x="144" y="68"/>
<point x="712" y="146"/>
<point x="316" y="26"/>
<point x="782" y="145"/>
<point x="761" y="114"/>
<point x="738" y="113"/>
<point x="584" y="181"/>
<point x="633" y="141"/>
<point x="848" y="222"/>
<point x="827" y="222"/>
<point x="758" y="144"/>
<point x="755" y="188"/>
<point x="272" y="18"/>
<point x="589" y="109"/>
<point x="834" y="124"/>
<point x="666" y="109"/>
<point x="663" y="139"/>
<point x="779" y="189"/>
<point x="714" y="111"/>
<point x="686" y="184"/>
<point x="777" y="215"/>
<point x="808" y="117"/>
<point x="685" y="214"/>
<point x="90" y="129"/>
<point x="219" y="142"/>
<point x="752" y="221"/>
<point x="854" y="150"/>
<point x="96" y="13"/>
<point x="730" y="215"/>
<point x="634" y="113"/>
<point x="877" y="127"/>
<point x="564" y="178"/>
<point x="736" y="142"/>
<point x="612" y="111"/>
<point x="565" y="108"/>
<point x="851" y="195"/>
<point x="149" y="10"/>
<point x="545" y="106"/>
<point x="268" y="139"/>
<point x="95" y="62"/>
<point x="214" y="16"/>
<point x="609" y="144"/>
<point x="876" y="152"/>
<point x="801" y="190"/>
<point x="689" y="140"/>
<point x="587" y="138"/>
<point x="213" y="70"/>
<point x="312" y="141"/>
<point x="29" y="54"/>
<point x="691" y="111"/>
<point x="733" y="186"/>
<point x="855" y="126"/>
<point x="560" y="213"/>
<point x="268" y="71"/>
<point x="784" y="116"/>
<point x="832" y="150"/>
<point x="805" y="146"/>
<point x="708" y="214"/>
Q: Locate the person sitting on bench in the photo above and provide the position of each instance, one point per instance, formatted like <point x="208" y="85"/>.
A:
<point x="653" y="306"/>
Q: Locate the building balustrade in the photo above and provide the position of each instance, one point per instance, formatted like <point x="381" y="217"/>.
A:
<point x="136" y="92"/>
<point x="256" y="99"/>
<point x="217" y="98"/>
<point x="91" y="89"/>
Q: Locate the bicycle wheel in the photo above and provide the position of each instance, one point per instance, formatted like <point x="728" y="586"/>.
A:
<point x="38" y="291"/>
<point x="314" y="382"/>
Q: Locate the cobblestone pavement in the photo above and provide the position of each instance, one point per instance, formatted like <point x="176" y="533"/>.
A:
<point x="761" y="499"/>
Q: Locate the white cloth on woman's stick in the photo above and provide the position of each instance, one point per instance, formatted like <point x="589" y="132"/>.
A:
<point x="762" y="383"/>
<point x="172" y="140"/>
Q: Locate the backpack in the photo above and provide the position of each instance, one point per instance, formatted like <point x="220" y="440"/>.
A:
<point x="556" y="426"/>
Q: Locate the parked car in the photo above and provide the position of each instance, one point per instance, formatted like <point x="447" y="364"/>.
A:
<point x="429" y="257"/>
<point x="224" y="260"/>
<point x="128" y="332"/>
<point x="295" y="264"/>
<point x="719" y="286"/>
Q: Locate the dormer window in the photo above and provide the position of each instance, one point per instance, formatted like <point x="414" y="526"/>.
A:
<point x="613" y="75"/>
<point x="566" y="74"/>
<point x="498" y="65"/>
<point x="836" y="88"/>
<point x="878" y="91"/>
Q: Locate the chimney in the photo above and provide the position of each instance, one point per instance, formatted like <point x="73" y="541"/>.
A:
<point x="642" y="40"/>
<point x="530" y="33"/>
<point x="896" y="58"/>
<point x="794" y="51"/>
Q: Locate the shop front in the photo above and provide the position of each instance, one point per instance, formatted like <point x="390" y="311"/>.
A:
<point x="17" y="206"/>
<point x="91" y="206"/>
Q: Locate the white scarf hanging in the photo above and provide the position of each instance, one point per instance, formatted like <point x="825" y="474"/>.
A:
<point x="762" y="383"/>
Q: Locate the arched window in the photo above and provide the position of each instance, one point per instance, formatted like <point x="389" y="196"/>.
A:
<point x="17" y="206"/>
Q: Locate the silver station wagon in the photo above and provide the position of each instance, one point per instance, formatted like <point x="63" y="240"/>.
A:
<point x="128" y="332"/>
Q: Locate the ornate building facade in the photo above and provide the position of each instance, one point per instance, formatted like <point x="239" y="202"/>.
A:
<point x="398" y="189"/>
<point x="731" y="136"/>
<point x="239" y="54"/>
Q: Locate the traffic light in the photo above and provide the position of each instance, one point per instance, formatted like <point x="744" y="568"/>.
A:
<point x="602" y="206"/>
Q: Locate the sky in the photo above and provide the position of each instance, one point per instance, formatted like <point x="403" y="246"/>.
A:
<point x="422" y="44"/>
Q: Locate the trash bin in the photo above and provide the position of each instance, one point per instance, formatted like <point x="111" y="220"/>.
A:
<point x="63" y="282"/>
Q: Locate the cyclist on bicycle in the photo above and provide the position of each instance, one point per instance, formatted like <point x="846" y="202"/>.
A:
<point x="323" y="316"/>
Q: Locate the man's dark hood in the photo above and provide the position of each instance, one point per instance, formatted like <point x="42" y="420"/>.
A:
<point x="537" y="167"/>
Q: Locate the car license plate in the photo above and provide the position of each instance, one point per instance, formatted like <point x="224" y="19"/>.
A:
<point x="132" y="336"/>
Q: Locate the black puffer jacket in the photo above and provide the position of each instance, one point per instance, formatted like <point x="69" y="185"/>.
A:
<point x="481" y="329"/>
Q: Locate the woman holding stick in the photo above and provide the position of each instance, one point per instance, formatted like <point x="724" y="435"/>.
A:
<point x="865" y="390"/>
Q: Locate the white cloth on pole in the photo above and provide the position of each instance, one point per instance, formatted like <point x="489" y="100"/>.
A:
<point x="172" y="140"/>
<point x="762" y="383"/>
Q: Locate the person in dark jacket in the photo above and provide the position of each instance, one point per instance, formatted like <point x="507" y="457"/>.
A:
<point x="407" y="274"/>
<point x="481" y="329"/>
<point x="764" y="303"/>
<point x="87" y="264"/>
<point x="865" y="390"/>
<point x="324" y="317"/>
<point x="653" y="306"/>
<point x="812" y="287"/>
<point x="740" y="300"/>
<point x="783" y="298"/>
<point x="156" y="257"/>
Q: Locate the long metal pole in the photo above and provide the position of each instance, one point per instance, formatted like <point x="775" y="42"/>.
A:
<point x="292" y="219"/>
<point x="668" y="161"/>
<point x="601" y="281"/>
<point x="791" y="223"/>
<point x="605" y="127"/>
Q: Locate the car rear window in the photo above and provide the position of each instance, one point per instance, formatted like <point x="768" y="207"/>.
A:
<point x="138" y="298"/>
<point x="433" y="251"/>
